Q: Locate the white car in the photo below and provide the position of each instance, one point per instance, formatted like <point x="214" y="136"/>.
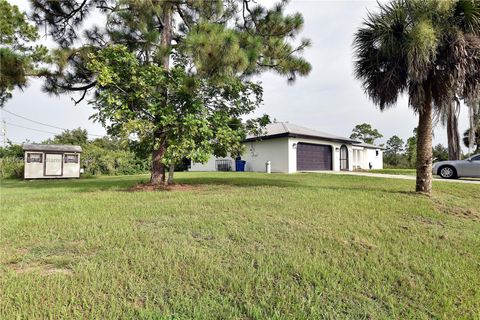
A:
<point x="453" y="169"/>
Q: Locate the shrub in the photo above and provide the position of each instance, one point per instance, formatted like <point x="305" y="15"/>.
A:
<point x="98" y="160"/>
<point x="11" y="167"/>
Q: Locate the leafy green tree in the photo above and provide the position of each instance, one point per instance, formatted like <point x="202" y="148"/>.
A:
<point x="365" y="133"/>
<point x="77" y="136"/>
<point x="440" y="153"/>
<point x="394" y="150"/>
<point x="11" y="161"/>
<point x="187" y="89"/>
<point x="19" y="57"/>
<point x="111" y="156"/>
<point x="195" y="122"/>
<point x="411" y="149"/>
<point x="98" y="160"/>
<point x="11" y="150"/>
<point x="427" y="49"/>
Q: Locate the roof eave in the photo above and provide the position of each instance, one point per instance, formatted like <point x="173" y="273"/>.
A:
<point x="304" y="136"/>
<point x="41" y="148"/>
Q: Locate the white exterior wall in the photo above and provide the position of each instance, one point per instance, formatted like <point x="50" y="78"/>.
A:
<point x="257" y="153"/>
<point x="358" y="158"/>
<point x="283" y="156"/>
<point x="274" y="150"/>
<point x="364" y="156"/>
<point x="71" y="170"/>
<point x="209" y="165"/>
<point x="376" y="161"/>
<point x="35" y="170"/>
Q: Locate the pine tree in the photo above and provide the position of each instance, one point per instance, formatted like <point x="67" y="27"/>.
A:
<point x="175" y="73"/>
<point x="20" y="58"/>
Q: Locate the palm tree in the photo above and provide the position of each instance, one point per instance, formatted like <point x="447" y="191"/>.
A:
<point x="471" y="137"/>
<point x="448" y="117"/>
<point x="427" y="49"/>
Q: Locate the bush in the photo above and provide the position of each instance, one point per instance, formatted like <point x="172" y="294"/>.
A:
<point x="11" y="167"/>
<point x="98" y="160"/>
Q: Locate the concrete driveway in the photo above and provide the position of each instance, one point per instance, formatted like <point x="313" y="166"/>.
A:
<point x="396" y="176"/>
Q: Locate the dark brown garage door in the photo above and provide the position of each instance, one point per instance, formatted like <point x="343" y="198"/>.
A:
<point x="313" y="157"/>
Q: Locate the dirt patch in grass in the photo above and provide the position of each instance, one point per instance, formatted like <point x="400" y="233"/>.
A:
<point x="23" y="251"/>
<point x="139" y="303"/>
<point x="171" y="187"/>
<point x="47" y="259"/>
<point x="362" y="244"/>
<point x="43" y="269"/>
<point x="430" y="221"/>
<point x="446" y="207"/>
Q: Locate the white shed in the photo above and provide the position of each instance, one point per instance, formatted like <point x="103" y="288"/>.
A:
<point x="291" y="148"/>
<point x="51" y="161"/>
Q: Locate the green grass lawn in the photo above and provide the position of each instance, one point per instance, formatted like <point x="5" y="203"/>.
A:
<point x="407" y="172"/>
<point x="239" y="246"/>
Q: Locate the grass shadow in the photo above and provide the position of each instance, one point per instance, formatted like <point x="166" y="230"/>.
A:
<point x="238" y="181"/>
<point x="362" y="189"/>
<point x="125" y="183"/>
<point x="81" y="185"/>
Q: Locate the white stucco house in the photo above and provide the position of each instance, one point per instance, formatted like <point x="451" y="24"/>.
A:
<point x="51" y="161"/>
<point x="291" y="148"/>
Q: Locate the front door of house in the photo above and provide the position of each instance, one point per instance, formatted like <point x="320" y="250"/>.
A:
<point x="53" y="164"/>
<point x="344" y="158"/>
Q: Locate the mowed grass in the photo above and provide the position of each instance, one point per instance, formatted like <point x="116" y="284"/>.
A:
<point x="407" y="172"/>
<point x="239" y="246"/>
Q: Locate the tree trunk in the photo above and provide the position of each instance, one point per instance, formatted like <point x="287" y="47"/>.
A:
<point x="424" y="145"/>
<point x="158" y="168"/>
<point x="452" y="133"/>
<point x="474" y="121"/>
<point x="166" y="40"/>
<point x="171" y="172"/>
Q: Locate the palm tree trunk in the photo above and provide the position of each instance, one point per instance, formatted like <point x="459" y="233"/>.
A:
<point x="474" y="122"/>
<point x="424" y="145"/>
<point x="452" y="132"/>
<point x="476" y="126"/>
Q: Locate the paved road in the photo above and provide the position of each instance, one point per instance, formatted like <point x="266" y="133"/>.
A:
<point x="397" y="176"/>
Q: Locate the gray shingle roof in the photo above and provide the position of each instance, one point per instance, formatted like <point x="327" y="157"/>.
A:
<point x="290" y="129"/>
<point x="52" y="147"/>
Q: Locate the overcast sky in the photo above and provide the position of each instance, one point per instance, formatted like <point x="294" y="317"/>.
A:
<point x="329" y="99"/>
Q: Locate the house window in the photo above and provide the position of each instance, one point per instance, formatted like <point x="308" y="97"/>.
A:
<point x="71" y="158"/>
<point x="34" y="157"/>
<point x="223" y="165"/>
<point x="377" y="153"/>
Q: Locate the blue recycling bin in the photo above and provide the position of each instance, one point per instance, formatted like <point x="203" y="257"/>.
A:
<point x="240" y="165"/>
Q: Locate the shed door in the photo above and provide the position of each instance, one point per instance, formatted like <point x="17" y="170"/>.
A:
<point x="53" y="164"/>
<point x="313" y="157"/>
